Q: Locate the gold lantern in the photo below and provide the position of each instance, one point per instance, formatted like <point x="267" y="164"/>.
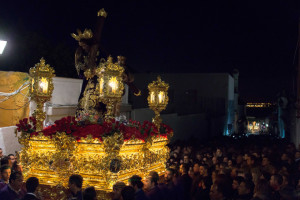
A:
<point x="41" y="89"/>
<point x="110" y="87"/>
<point x="158" y="99"/>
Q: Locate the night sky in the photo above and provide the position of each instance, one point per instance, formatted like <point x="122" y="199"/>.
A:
<point x="258" y="37"/>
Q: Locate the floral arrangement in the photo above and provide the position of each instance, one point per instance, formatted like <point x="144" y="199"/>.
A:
<point x="69" y="125"/>
<point x="27" y="125"/>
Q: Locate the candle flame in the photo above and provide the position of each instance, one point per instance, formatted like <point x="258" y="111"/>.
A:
<point x="44" y="85"/>
<point x="161" y="97"/>
<point x="113" y="83"/>
<point x="152" y="97"/>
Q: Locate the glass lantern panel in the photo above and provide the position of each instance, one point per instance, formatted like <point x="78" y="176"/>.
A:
<point x="161" y="97"/>
<point x="113" y="85"/>
<point x="152" y="97"/>
<point x="43" y="86"/>
<point x="101" y="85"/>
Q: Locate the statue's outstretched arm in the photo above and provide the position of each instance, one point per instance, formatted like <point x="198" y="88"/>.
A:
<point x="99" y="25"/>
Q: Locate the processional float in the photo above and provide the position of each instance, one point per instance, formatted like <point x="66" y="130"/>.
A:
<point x="102" y="152"/>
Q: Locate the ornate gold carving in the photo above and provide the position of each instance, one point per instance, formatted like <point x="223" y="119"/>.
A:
<point x="111" y="86"/>
<point x="101" y="163"/>
<point x="41" y="89"/>
<point x="158" y="99"/>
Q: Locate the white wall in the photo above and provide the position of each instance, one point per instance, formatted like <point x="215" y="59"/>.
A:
<point x="8" y="140"/>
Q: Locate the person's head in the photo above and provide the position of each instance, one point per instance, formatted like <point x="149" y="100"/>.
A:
<point x="236" y="182"/>
<point x="276" y="181"/>
<point x="218" y="152"/>
<point x="214" y="175"/>
<point x="12" y="158"/>
<point x="5" y="161"/>
<point x="75" y="183"/>
<point x="117" y="188"/>
<point x="205" y="182"/>
<point x="1" y="153"/>
<point x="85" y="44"/>
<point x="265" y="175"/>
<point x="225" y="159"/>
<point x="136" y="182"/>
<point x="245" y="187"/>
<point x="215" y="193"/>
<point x="17" y="167"/>
<point x="31" y="184"/>
<point x="203" y="170"/>
<point x="191" y="172"/>
<point x="186" y="159"/>
<point x="297" y="155"/>
<point x="220" y="188"/>
<point x="169" y="174"/>
<point x="262" y="187"/>
<point x="198" y="156"/>
<point x="284" y="157"/>
<point x="229" y="163"/>
<point x="233" y="172"/>
<point x="196" y="167"/>
<point x="239" y="159"/>
<point x="265" y="161"/>
<point x="151" y="180"/>
<point x="89" y="193"/>
<point x="183" y="169"/>
<point x="16" y="180"/>
<point x="285" y="180"/>
<point x="251" y="160"/>
<point x="128" y="193"/>
<point x="214" y="160"/>
<point x="5" y="173"/>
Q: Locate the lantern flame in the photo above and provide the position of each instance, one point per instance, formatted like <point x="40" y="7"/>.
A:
<point x="113" y="83"/>
<point x="152" y="97"/>
<point x="161" y="97"/>
<point x="44" y="85"/>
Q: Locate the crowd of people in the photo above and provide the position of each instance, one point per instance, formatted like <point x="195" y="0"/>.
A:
<point x="257" y="168"/>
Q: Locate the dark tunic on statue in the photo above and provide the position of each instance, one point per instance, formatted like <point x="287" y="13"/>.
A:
<point x="155" y="194"/>
<point x="8" y="194"/>
<point x="88" y="103"/>
<point x="140" y="195"/>
<point x="29" y="196"/>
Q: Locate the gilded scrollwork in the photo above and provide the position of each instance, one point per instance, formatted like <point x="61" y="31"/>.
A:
<point x="101" y="163"/>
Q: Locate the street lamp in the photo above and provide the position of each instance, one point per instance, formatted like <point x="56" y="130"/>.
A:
<point x="2" y="45"/>
<point x="110" y="85"/>
<point x="158" y="99"/>
<point x="41" y="88"/>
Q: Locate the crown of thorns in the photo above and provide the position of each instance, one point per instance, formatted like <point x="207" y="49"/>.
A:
<point x="87" y="34"/>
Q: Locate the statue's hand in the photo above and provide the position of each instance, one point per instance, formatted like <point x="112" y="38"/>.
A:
<point x="102" y="13"/>
<point x="89" y="73"/>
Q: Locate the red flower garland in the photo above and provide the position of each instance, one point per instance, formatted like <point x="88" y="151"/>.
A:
<point x="70" y="126"/>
